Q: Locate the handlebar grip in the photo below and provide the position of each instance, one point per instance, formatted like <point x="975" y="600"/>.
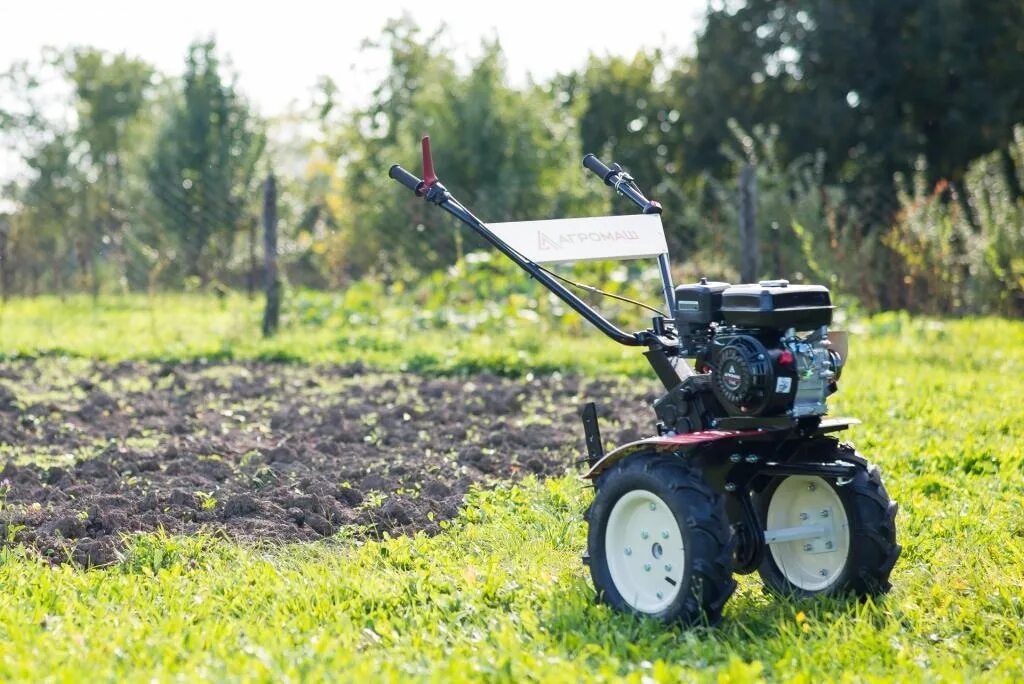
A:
<point x="597" y="167"/>
<point x="405" y="178"/>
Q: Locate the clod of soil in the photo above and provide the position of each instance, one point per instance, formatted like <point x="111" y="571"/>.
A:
<point x="92" y="451"/>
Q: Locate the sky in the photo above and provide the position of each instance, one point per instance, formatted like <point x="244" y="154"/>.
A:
<point x="280" y="49"/>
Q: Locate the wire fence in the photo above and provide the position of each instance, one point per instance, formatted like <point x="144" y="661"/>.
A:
<point x="877" y="245"/>
<point x="170" y="235"/>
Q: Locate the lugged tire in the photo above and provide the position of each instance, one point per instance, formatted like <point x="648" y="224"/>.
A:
<point x="706" y="581"/>
<point x="871" y="516"/>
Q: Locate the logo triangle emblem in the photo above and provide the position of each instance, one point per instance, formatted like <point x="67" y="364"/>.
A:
<point x="544" y="242"/>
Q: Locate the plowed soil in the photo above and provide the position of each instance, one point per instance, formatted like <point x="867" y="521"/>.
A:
<point x="90" y="452"/>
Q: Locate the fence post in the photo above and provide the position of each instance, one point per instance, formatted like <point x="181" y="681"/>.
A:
<point x="272" y="311"/>
<point x="749" y="248"/>
<point x="4" y="227"/>
<point x="250" y="277"/>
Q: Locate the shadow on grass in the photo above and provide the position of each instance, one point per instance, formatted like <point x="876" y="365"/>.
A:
<point x="755" y="627"/>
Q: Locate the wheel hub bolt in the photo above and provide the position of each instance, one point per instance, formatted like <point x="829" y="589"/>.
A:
<point x="828" y="545"/>
<point x="808" y="547"/>
<point x="668" y="567"/>
<point x="647" y="567"/>
<point x="811" y="486"/>
<point x="730" y="486"/>
<point x="803" y="516"/>
<point x="824" y="513"/>
<point x="823" y="572"/>
<point x="664" y="534"/>
<point x="644" y="534"/>
<point x="629" y="551"/>
<point x="660" y="595"/>
<point x="653" y="506"/>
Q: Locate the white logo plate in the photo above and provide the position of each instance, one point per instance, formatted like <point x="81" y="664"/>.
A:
<point x="582" y="239"/>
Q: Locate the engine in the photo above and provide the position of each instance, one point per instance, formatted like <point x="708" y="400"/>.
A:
<point x="764" y="346"/>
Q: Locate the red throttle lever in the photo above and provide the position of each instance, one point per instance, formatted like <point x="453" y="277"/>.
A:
<point x="420" y="187"/>
<point x="429" y="177"/>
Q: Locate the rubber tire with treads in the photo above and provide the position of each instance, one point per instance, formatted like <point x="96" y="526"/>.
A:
<point x="706" y="581"/>
<point x="871" y="519"/>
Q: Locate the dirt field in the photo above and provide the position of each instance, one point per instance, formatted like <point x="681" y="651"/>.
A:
<point x="91" y="451"/>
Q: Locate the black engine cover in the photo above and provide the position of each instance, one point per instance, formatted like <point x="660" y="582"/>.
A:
<point x="747" y="378"/>
<point x="777" y="305"/>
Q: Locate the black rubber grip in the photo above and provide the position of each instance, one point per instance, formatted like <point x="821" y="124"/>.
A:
<point x="597" y="167"/>
<point x="405" y="178"/>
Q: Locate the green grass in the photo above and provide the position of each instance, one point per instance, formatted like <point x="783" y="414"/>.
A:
<point x="501" y="594"/>
<point x="359" y="326"/>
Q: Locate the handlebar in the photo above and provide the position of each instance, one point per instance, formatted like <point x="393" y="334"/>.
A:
<point x="405" y="178"/>
<point x="431" y="190"/>
<point x="617" y="178"/>
<point x="598" y="168"/>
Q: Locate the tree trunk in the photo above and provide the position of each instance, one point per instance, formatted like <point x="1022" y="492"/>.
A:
<point x="749" y="249"/>
<point x="272" y="311"/>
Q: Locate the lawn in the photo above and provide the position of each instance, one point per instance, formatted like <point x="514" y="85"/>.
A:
<point x="500" y="594"/>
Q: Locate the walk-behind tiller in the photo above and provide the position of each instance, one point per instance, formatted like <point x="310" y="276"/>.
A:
<point x="744" y="473"/>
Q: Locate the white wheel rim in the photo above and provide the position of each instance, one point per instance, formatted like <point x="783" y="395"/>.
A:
<point x="644" y="548"/>
<point x="811" y="564"/>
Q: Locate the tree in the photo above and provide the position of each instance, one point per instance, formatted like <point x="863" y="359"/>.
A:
<point x="73" y="118"/>
<point x="874" y="84"/>
<point x="627" y="115"/>
<point x="111" y="91"/>
<point x="510" y="154"/>
<point x="202" y="173"/>
<point x="56" y="211"/>
<point x="47" y="191"/>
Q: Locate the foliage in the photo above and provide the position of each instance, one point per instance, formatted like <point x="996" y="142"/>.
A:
<point x="76" y="193"/>
<point x="53" y="192"/>
<point x="807" y="230"/>
<point x="111" y="92"/>
<point x="970" y="261"/>
<point x="507" y="152"/>
<point x="501" y="594"/>
<point x="208" y="147"/>
<point x="625" y="111"/>
<point x="153" y="182"/>
<point x="54" y="196"/>
<point x="873" y="85"/>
